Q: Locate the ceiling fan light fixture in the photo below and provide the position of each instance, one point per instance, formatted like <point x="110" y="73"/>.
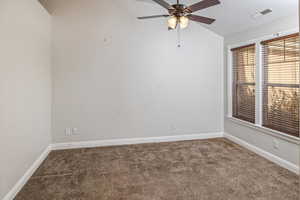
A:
<point x="172" y="22"/>
<point x="183" y="21"/>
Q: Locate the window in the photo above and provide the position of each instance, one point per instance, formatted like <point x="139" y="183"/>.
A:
<point x="281" y="84"/>
<point x="266" y="84"/>
<point x="244" y="82"/>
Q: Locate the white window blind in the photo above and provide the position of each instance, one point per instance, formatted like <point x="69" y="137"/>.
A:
<point x="281" y="84"/>
<point x="244" y="82"/>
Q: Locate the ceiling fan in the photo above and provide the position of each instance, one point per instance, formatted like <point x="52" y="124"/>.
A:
<point x="180" y="14"/>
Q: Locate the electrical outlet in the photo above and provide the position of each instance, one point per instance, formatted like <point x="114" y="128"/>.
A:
<point x="75" y="131"/>
<point x="68" y="132"/>
<point x="275" y="144"/>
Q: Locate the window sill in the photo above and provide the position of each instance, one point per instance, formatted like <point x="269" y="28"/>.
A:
<point x="268" y="131"/>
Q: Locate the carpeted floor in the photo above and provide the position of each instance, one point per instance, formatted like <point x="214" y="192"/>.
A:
<point x="214" y="169"/>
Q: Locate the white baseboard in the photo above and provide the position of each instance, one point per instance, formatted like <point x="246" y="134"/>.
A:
<point x="279" y="161"/>
<point x="23" y="180"/>
<point x="116" y="142"/>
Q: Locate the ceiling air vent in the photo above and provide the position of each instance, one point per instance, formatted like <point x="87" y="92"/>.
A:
<point x="265" y="12"/>
<point x="262" y="13"/>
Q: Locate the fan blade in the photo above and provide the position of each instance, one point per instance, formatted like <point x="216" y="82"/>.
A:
<point x="202" y="5"/>
<point x="163" y="4"/>
<point x="201" y="19"/>
<point x="153" y="16"/>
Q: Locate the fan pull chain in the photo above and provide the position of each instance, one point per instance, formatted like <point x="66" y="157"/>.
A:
<point x="178" y="37"/>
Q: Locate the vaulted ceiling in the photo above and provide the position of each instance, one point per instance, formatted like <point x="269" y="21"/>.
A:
<point x="231" y="16"/>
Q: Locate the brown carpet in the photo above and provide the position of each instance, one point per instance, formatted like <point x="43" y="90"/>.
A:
<point x="214" y="169"/>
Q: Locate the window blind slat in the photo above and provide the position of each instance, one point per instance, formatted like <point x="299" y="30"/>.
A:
<point x="244" y="83"/>
<point x="281" y="90"/>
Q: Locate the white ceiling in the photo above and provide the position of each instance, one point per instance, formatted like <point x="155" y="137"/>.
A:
<point x="234" y="16"/>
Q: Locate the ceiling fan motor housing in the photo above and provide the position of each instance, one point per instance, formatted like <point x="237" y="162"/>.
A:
<point x="178" y="10"/>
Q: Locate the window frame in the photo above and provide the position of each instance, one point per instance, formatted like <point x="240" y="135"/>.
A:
<point x="258" y="125"/>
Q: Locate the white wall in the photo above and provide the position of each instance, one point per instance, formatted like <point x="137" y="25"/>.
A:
<point x="117" y="77"/>
<point x="287" y="150"/>
<point x="25" y="88"/>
